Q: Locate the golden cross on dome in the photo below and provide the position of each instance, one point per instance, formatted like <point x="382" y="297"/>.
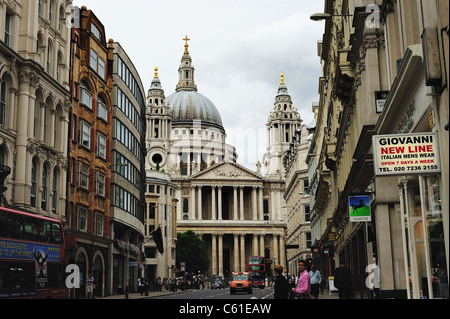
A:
<point x="282" y="78"/>
<point x="156" y="72"/>
<point x="186" y="46"/>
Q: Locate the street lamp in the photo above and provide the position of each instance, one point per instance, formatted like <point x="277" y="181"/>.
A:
<point x="324" y="16"/>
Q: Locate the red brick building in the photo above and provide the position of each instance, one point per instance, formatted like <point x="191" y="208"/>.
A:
<point x="90" y="138"/>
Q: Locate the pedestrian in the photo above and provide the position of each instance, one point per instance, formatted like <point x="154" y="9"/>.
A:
<point x="315" y="279"/>
<point x="303" y="289"/>
<point x="90" y="286"/>
<point x="281" y="284"/>
<point x="141" y="285"/>
<point x="343" y="282"/>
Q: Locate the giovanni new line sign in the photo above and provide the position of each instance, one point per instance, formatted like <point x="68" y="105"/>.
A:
<point x="406" y="154"/>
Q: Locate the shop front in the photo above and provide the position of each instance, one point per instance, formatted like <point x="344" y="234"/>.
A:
<point x="415" y="159"/>
<point x="423" y="237"/>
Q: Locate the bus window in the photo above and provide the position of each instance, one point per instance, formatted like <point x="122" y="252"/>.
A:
<point x="46" y="231"/>
<point x="3" y="225"/>
<point x="57" y="234"/>
<point x="15" y="226"/>
<point x="31" y="229"/>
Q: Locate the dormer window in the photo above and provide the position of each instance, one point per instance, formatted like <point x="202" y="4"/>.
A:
<point x="96" y="32"/>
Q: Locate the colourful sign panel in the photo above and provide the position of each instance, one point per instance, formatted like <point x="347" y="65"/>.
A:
<point x="406" y="154"/>
<point x="27" y="251"/>
<point x="359" y="207"/>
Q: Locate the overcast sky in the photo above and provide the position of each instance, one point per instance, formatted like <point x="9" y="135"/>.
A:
<point x="238" y="48"/>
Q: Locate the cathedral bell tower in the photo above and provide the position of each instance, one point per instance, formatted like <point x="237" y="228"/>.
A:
<point x="159" y="124"/>
<point x="186" y="71"/>
<point x="284" y="122"/>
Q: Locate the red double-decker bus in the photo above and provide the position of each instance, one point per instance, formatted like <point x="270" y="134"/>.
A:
<point x="32" y="256"/>
<point x="256" y="266"/>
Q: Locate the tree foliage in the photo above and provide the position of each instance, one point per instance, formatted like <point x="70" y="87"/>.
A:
<point x="191" y="250"/>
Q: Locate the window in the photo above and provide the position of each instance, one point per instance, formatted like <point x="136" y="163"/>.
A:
<point x="8" y="28"/>
<point x="96" y="32"/>
<point x="2" y="102"/>
<point x="84" y="134"/>
<point x="55" y="192"/>
<point x="44" y="188"/>
<point x="33" y="184"/>
<point x="306" y="187"/>
<point x="307" y="214"/>
<point x="100" y="146"/>
<point x="82" y="219"/>
<point x="85" y="95"/>
<point x="102" y="109"/>
<point x="100" y="184"/>
<point x="83" y="175"/>
<point x="308" y="240"/>
<point x="97" y="63"/>
<point x="49" y="56"/>
<point x="50" y="12"/>
<point x="99" y="224"/>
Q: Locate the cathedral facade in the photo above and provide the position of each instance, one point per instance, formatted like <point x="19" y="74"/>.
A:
<point x="237" y="212"/>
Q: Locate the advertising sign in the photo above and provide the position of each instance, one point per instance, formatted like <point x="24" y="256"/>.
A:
<point x="406" y="154"/>
<point x="359" y="207"/>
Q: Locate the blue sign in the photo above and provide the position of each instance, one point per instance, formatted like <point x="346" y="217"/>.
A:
<point x="28" y="251"/>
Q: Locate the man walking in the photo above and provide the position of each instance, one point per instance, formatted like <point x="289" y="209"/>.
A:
<point x="303" y="289"/>
<point x="281" y="284"/>
<point x="343" y="282"/>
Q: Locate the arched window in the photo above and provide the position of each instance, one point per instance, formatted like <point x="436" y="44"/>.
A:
<point x="33" y="183"/>
<point x="2" y="102"/>
<point x="44" y="188"/>
<point x="55" y="191"/>
<point x="49" y="57"/>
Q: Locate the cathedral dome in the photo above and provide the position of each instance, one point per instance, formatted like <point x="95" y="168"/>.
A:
<point x="188" y="106"/>
<point x="186" y="103"/>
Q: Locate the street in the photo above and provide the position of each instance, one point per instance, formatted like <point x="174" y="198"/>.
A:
<point x="213" y="294"/>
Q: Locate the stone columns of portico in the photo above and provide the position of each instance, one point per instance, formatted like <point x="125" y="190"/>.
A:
<point x="214" y="253"/>
<point x="255" y="217"/>
<point x="192" y="210"/>
<point x="243" y="252"/>
<point x="200" y="208"/>
<point x="255" y="245"/>
<point x="220" y="254"/>
<point x="275" y="249"/>
<point x="213" y="202"/>
<point x="219" y="202"/>
<point x="241" y="202"/>
<point x="235" y="206"/>
<point x="261" y="244"/>
<point x="260" y="204"/>
<point x="236" y="252"/>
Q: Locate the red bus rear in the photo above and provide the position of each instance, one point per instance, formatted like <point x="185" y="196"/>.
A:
<point x="32" y="256"/>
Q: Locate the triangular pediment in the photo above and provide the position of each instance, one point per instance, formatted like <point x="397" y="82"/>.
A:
<point x="227" y="171"/>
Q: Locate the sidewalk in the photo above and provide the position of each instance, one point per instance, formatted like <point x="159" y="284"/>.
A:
<point x="133" y="296"/>
<point x="152" y="294"/>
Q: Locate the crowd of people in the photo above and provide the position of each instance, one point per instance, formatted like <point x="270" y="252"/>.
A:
<point x="310" y="283"/>
<point x="174" y="284"/>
